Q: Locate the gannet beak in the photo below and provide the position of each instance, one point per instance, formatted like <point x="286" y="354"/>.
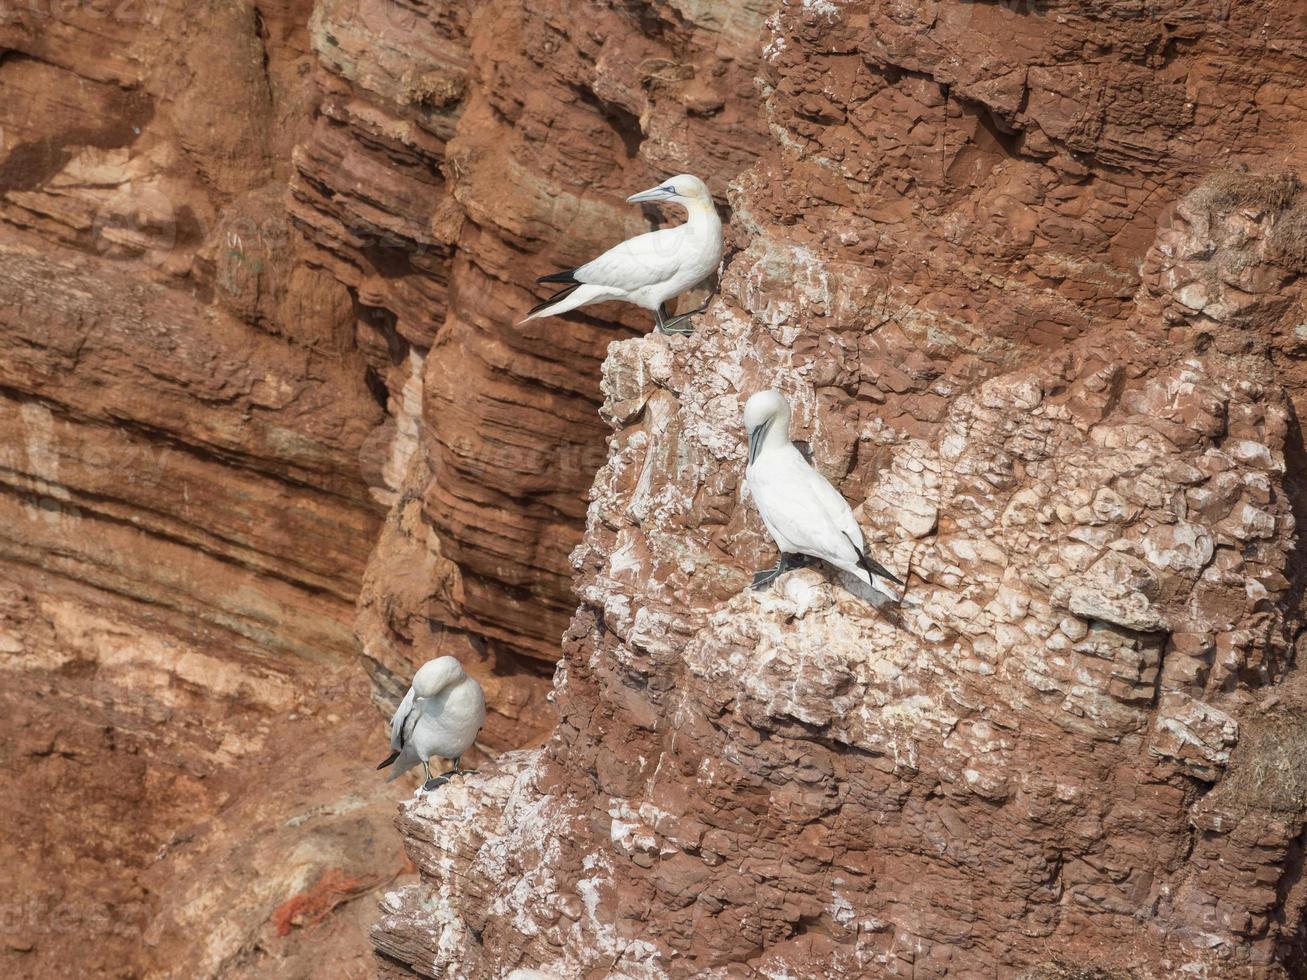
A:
<point x="661" y="193"/>
<point x="755" y="440"/>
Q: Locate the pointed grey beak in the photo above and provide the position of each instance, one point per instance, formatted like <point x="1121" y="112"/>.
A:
<point x="755" y="440"/>
<point x="661" y="193"/>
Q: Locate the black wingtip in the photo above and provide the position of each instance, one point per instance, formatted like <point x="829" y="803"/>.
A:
<point x="871" y="565"/>
<point x="561" y="294"/>
<point x="567" y="275"/>
<point x="876" y="568"/>
<point x="389" y="759"/>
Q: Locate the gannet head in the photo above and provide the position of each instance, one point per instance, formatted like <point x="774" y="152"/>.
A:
<point x="436" y="675"/>
<point x="683" y="189"/>
<point x="766" y="413"/>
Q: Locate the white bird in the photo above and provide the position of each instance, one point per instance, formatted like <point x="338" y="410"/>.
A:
<point x="439" y="716"/>
<point x="649" y="269"/>
<point x="803" y="512"/>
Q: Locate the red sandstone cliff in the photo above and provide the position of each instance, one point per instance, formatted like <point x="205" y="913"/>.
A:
<point x="184" y="523"/>
<point x="266" y="409"/>
<point x="1044" y="331"/>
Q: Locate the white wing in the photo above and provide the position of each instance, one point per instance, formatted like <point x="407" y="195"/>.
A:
<point x="803" y="511"/>
<point x="449" y="722"/>
<point x="398" y="719"/>
<point x="838" y="511"/>
<point x="645" y="260"/>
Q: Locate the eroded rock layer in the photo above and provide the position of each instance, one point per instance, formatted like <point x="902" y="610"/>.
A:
<point x="264" y="405"/>
<point x="1031" y="276"/>
<point x="1030" y="273"/>
<point x="185" y="519"/>
<point x="461" y="152"/>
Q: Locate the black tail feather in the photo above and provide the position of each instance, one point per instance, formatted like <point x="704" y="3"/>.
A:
<point x="567" y="275"/>
<point x="561" y="294"/>
<point x="871" y="565"/>
<point x="389" y="759"/>
<point x="874" y="567"/>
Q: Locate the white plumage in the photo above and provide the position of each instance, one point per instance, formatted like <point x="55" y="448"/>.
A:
<point x="439" y="717"/>
<point x="804" y="514"/>
<point x="650" y="269"/>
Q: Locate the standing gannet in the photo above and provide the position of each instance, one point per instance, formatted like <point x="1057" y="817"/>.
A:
<point x="439" y="716"/>
<point x="803" y="512"/>
<point x="649" y="269"/>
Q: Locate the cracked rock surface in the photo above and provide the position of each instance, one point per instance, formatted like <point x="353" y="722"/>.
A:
<point x="1031" y="274"/>
<point x="1038" y="314"/>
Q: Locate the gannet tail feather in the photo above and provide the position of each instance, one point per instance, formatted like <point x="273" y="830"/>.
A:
<point x="404" y="761"/>
<point x="389" y="759"/>
<point x="567" y="299"/>
<point x="567" y="275"/>
<point x="871" y="565"/>
<point x="539" y="309"/>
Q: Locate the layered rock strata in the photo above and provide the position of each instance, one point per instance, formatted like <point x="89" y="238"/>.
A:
<point x="1040" y="325"/>
<point x="184" y="517"/>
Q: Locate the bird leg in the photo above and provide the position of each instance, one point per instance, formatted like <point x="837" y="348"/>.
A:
<point x="673" y="326"/>
<point x="769" y="575"/>
<point x="458" y="770"/>
<point x="426" y="768"/>
<point x="437" y="781"/>
<point x="446" y="776"/>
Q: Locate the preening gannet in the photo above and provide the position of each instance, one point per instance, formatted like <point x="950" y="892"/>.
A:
<point x="439" y="716"/>
<point x="649" y="269"/>
<point x="803" y="512"/>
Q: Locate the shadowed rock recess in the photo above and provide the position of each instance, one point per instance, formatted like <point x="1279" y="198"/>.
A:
<point x="1032" y="275"/>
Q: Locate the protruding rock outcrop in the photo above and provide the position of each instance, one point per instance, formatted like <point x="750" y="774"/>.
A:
<point x="460" y="153"/>
<point x="1058" y="383"/>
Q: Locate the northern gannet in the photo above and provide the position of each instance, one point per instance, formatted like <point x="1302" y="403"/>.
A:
<point x="803" y="512"/>
<point x="439" y="716"/>
<point x="649" y="269"/>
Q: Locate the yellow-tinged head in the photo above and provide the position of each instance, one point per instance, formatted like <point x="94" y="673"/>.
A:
<point x="683" y="189"/>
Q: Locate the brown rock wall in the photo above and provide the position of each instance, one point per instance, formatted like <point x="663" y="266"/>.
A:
<point x="266" y="405"/>
<point x="1059" y="385"/>
<point x="184" y="518"/>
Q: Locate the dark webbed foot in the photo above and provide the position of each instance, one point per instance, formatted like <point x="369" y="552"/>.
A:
<point x="445" y="777"/>
<point x="769" y="575"/>
<point x="677" y="324"/>
<point x="674" y="328"/>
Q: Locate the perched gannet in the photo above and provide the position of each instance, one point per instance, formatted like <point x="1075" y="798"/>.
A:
<point x="649" y="269"/>
<point x="803" y="512"/>
<point x="439" y="716"/>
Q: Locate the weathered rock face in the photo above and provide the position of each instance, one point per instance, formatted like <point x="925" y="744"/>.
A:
<point x="184" y="523"/>
<point x="461" y="152"/>
<point x="1044" y="332"/>
<point x="265" y="404"/>
<point x="184" y="518"/>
